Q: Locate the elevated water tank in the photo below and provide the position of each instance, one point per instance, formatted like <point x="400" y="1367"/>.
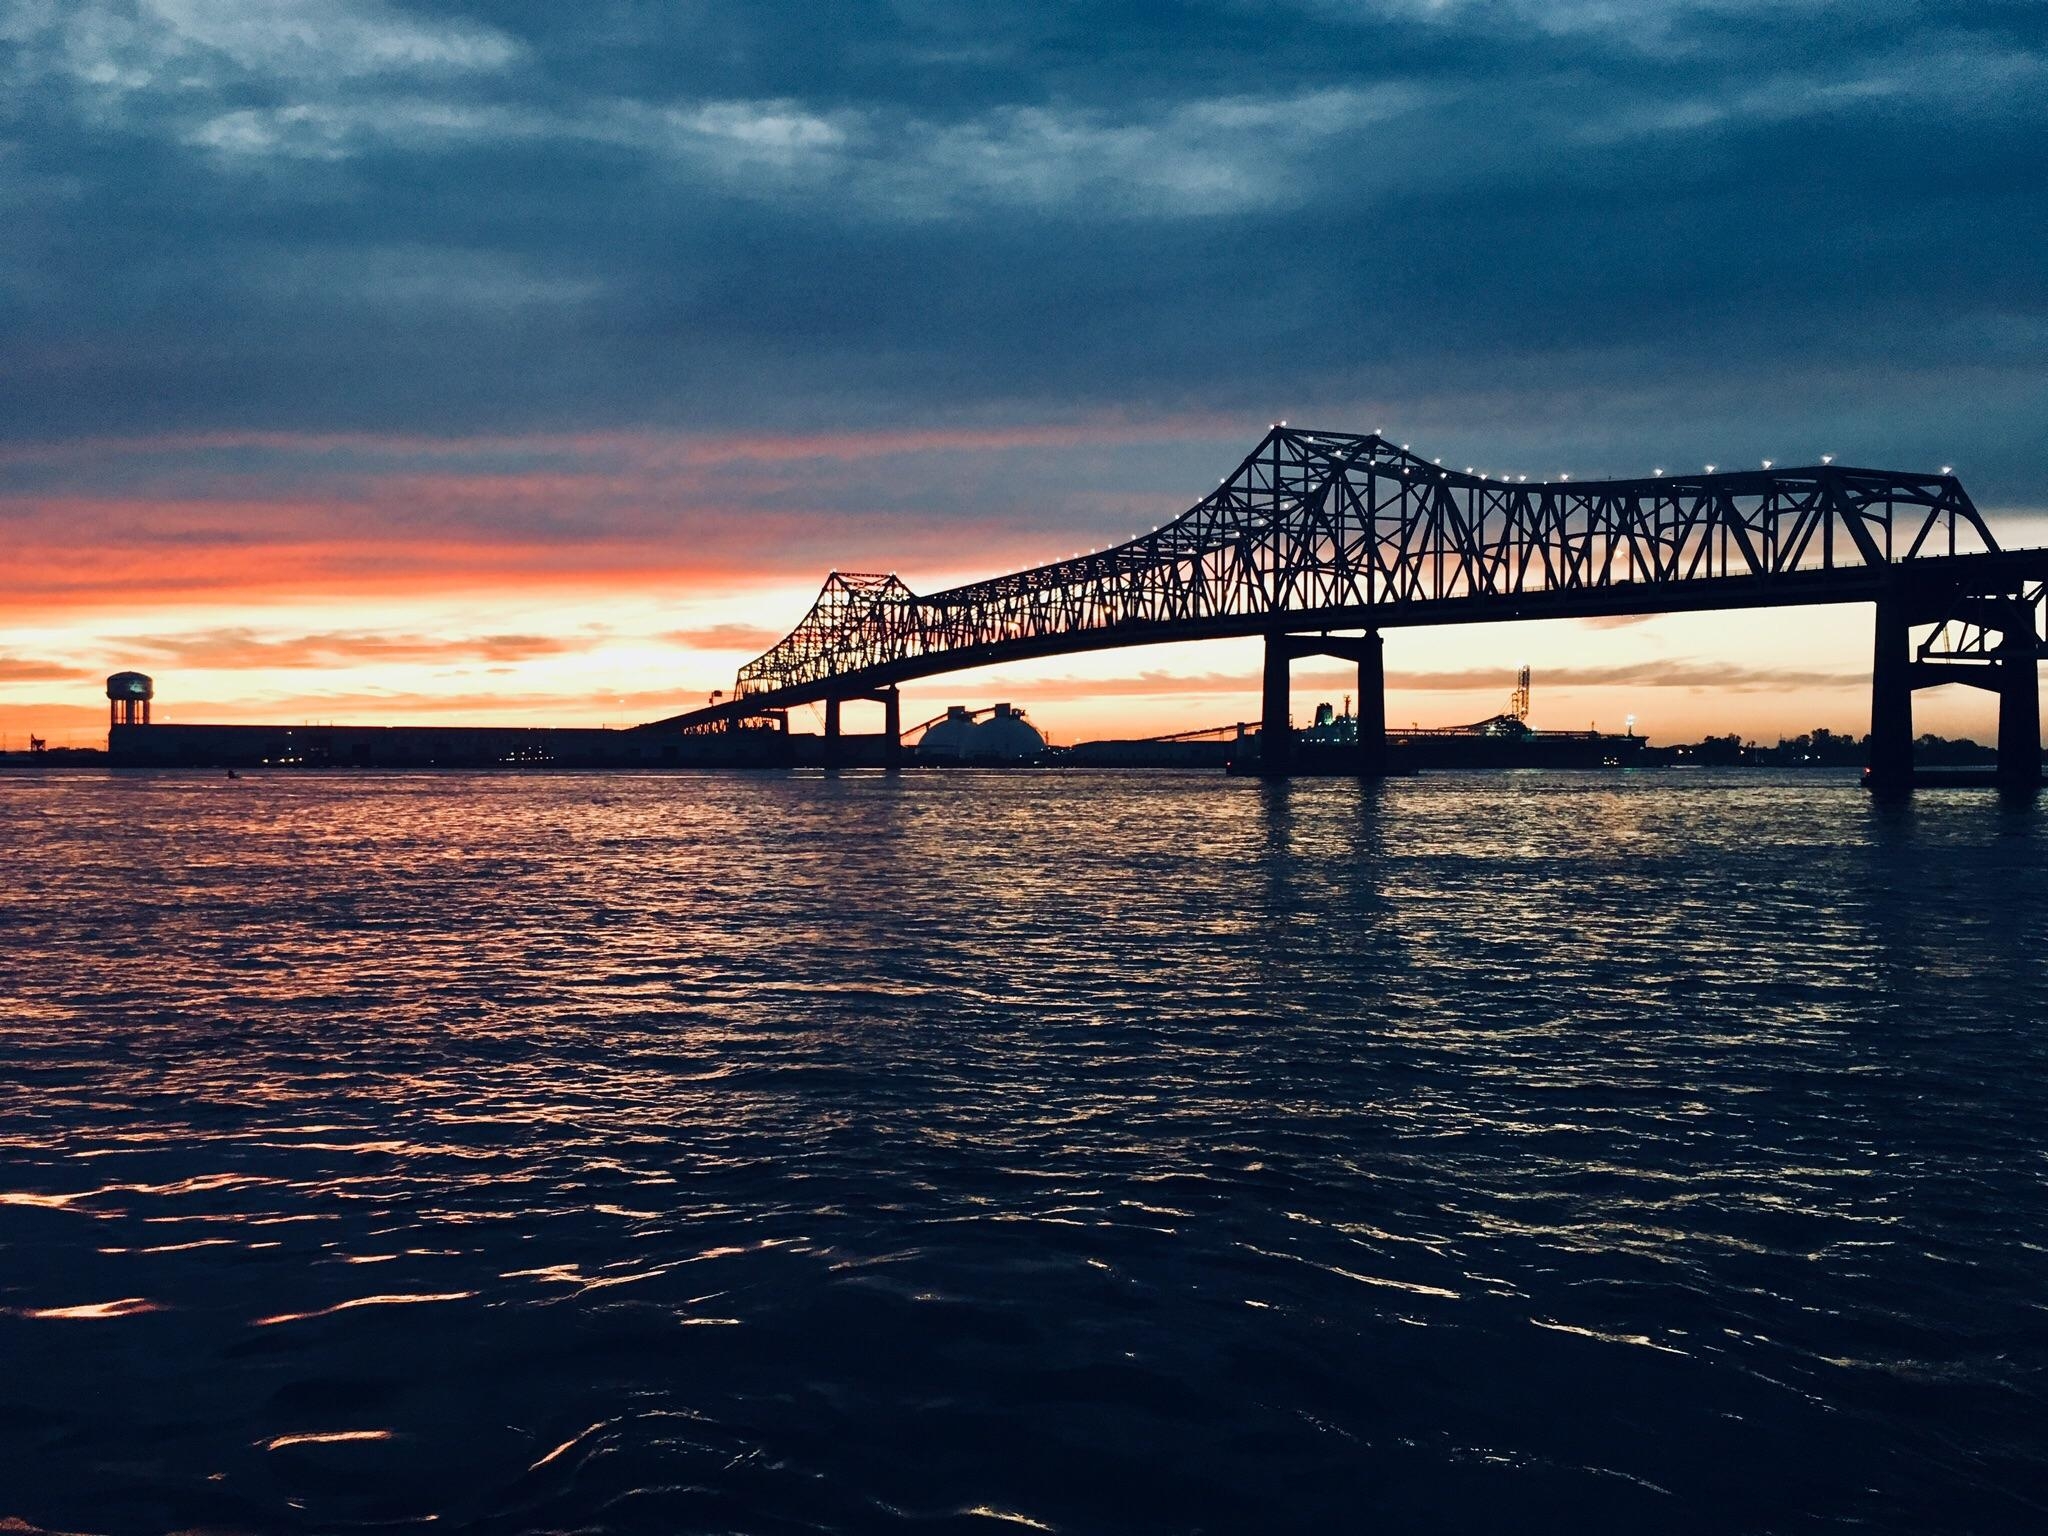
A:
<point x="1006" y="737"/>
<point x="948" y="739"/>
<point x="128" y="696"/>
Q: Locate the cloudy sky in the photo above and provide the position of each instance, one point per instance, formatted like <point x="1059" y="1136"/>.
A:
<point x="525" y="361"/>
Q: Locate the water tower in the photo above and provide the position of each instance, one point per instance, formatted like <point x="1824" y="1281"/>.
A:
<point x="128" y="696"/>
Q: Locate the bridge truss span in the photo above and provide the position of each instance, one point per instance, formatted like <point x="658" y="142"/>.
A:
<point x="1317" y="526"/>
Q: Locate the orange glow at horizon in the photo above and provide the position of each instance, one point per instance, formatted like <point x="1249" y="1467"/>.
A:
<point x="609" y="578"/>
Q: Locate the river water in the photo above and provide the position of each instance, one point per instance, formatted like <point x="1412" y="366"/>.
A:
<point x="995" y="1153"/>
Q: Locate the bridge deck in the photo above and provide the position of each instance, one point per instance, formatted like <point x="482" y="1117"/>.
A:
<point x="1932" y="580"/>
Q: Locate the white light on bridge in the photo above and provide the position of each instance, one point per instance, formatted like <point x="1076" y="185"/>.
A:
<point x="1948" y="469"/>
<point x="1827" y="458"/>
<point x="1656" y="471"/>
<point x="1767" y="463"/>
<point x="1710" y="469"/>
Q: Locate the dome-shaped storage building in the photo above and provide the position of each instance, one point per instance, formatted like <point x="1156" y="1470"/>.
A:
<point x="947" y="740"/>
<point x="1006" y="737"/>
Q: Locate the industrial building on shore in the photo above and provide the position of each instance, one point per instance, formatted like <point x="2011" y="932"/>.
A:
<point x="134" y="740"/>
<point x="436" y="746"/>
<point x="1005" y="737"/>
<point x="1000" y="735"/>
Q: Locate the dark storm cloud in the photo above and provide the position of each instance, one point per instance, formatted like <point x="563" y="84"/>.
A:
<point x="1595" y="233"/>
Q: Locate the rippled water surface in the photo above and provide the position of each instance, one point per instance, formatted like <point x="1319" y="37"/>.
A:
<point x="980" y="1152"/>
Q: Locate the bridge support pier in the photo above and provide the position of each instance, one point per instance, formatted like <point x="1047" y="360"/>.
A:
<point x="1372" y="706"/>
<point x="834" y="746"/>
<point x="1276" y="723"/>
<point x="1277" y="751"/>
<point x="1891" y="702"/>
<point x="2019" y="704"/>
<point x="1983" y="640"/>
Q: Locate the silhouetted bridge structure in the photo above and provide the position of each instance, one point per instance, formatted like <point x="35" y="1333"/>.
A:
<point x="1321" y="532"/>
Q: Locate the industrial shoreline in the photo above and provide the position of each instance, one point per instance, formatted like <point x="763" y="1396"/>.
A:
<point x="378" y="749"/>
<point x="1335" y="742"/>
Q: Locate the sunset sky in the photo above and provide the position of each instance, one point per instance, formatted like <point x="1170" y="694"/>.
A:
<point x="532" y="363"/>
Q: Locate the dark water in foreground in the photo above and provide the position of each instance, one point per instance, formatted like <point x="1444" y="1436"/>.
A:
<point x="978" y="1153"/>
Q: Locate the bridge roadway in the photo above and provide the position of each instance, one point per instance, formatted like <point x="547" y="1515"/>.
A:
<point x="1320" y="532"/>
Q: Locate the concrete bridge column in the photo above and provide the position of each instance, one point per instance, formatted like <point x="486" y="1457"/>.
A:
<point x="2019" y="704"/>
<point x="892" y="730"/>
<point x="1891" y="702"/>
<point x="1276" y="725"/>
<point x="832" y="748"/>
<point x="1372" y="706"/>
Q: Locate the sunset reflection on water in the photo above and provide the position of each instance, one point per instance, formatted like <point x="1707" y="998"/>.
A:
<point x="1122" y="1152"/>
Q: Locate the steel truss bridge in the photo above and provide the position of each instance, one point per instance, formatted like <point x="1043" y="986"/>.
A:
<point x="1320" y="532"/>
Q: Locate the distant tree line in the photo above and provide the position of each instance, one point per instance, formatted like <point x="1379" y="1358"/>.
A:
<point x="1821" y="748"/>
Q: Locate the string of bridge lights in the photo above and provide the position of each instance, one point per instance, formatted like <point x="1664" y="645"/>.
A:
<point x="1443" y="474"/>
